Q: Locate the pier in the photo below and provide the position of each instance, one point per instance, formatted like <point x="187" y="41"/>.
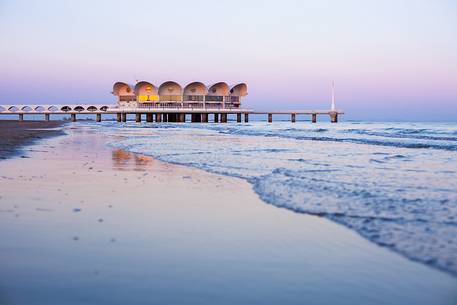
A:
<point x="158" y="115"/>
<point x="169" y="102"/>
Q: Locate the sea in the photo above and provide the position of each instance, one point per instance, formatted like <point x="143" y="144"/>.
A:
<point x="394" y="183"/>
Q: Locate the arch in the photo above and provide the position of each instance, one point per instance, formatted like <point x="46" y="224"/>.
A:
<point x="39" y="108"/>
<point x="145" y="88"/>
<point x="146" y="92"/>
<point x="239" y="90"/>
<point x="170" y="88"/>
<point x="170" y="91"/>
<point x="79" y="108"/>
<point x="195" y="88"/>
<point x="220" y="89"/>
<point x="53" y="108"/>
<point x="195" y="92"/>
<point x="26" y="108"/>
<point x="121" y="88"/>
<point x="91" y="108"/>
<point x="103" y="108"/>
<point x="13" y="108"/>
<point x="66" y="108"/>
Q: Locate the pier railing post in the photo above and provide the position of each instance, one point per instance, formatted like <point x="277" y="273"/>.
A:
<point x="246" y="117"/>
<point x="99" y="117"/>
<point x="292" y="117"/>
<point x="270" y="117"/>
<point x="313" y="118"/>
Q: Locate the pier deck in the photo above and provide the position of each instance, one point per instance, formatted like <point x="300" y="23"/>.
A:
<point x="157" y="114"/>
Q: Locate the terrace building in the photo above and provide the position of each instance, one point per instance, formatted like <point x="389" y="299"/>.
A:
<point x="170" y="94"/>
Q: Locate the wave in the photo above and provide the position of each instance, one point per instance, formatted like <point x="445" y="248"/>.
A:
<point x="404" y="200"/>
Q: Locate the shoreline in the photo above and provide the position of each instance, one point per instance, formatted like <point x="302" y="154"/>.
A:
<point x="123" y="222"/>
<point x="16" y="135"/>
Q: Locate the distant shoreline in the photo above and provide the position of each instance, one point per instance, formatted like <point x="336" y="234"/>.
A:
<point x="15" y="135"/>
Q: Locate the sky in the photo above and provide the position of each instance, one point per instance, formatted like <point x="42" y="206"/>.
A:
<point x="390" y="60"/>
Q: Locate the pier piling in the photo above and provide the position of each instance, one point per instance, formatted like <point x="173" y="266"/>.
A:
<point x="292" y="117"/>
<point x="138" y="117"/>
<point x="149" y="118"/>
<point x="47" y="117"/>
<point x="246" y="117"/>
<point x="124" y="117"/>
<point x="238" y="117"/>
<point x="314" y="118"/>
<point x="73" y="117"/>
<point x="21" y="117"/>
<point x="334" y="117"/>
<point x="204" y="117"/>
<point x="216" y="118"/>
<point x="270" y="117"/>
<point x="119" y="118"/>
<point x="158" y="117"/>
<point x="223" y="117"/>
<point x="99" y="117"/>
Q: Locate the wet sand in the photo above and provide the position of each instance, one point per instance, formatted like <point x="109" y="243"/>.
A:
<point x="15" y="134"/>
<point x="81" y="223"/>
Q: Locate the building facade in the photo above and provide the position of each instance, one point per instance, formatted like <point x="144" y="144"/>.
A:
<point x="170" y="94"/>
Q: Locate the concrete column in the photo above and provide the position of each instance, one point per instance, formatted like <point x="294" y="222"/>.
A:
<point x="149" y="117"/>
<point x="21" y="117"/>
<point x="158" y="117"/>
<point x="99" y="117"/>
<point x="246" y="117"/>
<point x="173" y="117"/>
<point x="292" y="117"/>
<point x="216" y="118"/>
<point x="124" y="117"/>
<point x="138" y="117"/>
<point x="119" y="117"/>
<point x="47" y="117"/>
<point x="314" y="118"/>
<point x="204" y="117"/>
<point x="270" y="117"/>
<point x="196" y="117"/>
<point x="223" y="117"/>
<point x="238" y="117"/>
<point x="334" y="117"/>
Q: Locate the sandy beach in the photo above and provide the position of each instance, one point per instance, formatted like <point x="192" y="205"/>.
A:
<point x="15" y="134"/>
<point x="83" y="223"/>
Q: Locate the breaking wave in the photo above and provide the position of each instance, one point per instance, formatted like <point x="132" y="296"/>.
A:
<point x="395" y="186"/>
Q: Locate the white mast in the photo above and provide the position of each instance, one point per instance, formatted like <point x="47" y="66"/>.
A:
<point x="333" y="96"/>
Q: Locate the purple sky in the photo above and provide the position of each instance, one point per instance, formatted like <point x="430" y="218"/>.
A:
<point x="395" y="60"/>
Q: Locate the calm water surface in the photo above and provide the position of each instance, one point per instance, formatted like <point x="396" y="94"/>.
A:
<point x="393" y="183"/>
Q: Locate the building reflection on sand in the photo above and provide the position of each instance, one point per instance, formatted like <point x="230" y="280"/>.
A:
<point x="124" y="160"/>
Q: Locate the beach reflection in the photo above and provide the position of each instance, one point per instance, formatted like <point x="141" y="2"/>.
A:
<point x="123" y="160"/>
